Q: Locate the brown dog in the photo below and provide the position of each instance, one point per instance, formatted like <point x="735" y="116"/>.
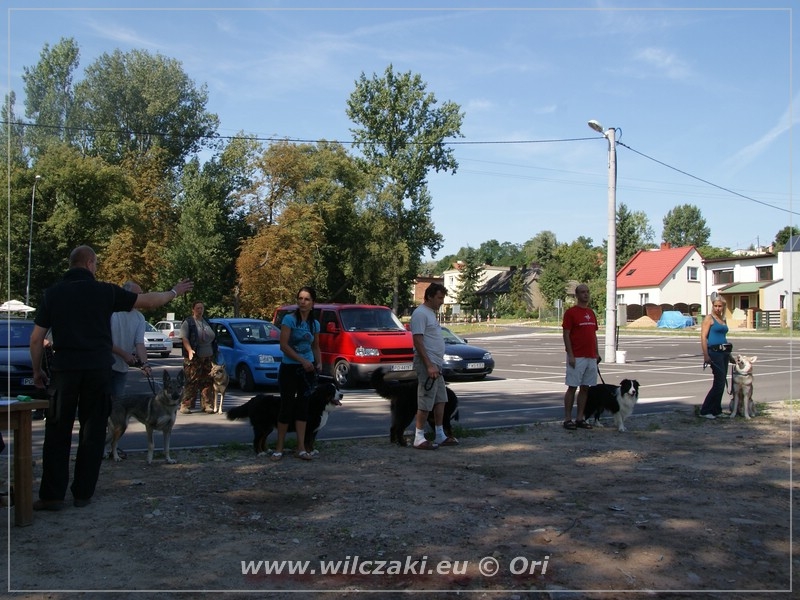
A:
<point x="221" y="381"/>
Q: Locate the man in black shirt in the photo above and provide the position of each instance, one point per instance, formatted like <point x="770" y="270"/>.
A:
<point x="78" y="311"/>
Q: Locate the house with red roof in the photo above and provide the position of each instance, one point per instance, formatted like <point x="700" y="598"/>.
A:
<point x="666" y="275"/>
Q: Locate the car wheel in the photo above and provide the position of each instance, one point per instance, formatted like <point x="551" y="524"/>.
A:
<point x="341" y="373"/>
<point x="165" y="354"/>
<point x="245" y="378"/>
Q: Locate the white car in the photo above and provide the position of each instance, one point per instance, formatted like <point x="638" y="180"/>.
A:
<point x="172" y="329"/>
<point x="156" y="342"/>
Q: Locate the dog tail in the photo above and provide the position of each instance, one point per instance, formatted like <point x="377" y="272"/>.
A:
<point x="239" y="412"/>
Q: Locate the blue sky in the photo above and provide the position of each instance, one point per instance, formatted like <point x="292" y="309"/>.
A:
<point x="706" y="89"/>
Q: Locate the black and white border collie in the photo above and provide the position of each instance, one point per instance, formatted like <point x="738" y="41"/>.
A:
<point x="619" y="400"/>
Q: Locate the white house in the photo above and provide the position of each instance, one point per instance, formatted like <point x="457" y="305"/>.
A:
<point x="452" y="283"/>
<point x="662" y="276"/>
<point x="767" y="282"/>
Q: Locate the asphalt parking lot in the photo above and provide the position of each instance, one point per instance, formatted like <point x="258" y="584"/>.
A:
<point x="527" y="386"/>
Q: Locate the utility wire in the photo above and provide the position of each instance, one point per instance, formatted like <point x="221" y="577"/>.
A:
<point x="447" y="143"/>
<point x="719" y="187"/>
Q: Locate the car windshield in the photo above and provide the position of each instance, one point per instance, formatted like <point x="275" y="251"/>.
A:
<point x="370" y="319"/>
<point x="15" y="334"/>
<point x="148" y="327"/>
<point x="450" y="337"/>
<point x="256" y="333"/>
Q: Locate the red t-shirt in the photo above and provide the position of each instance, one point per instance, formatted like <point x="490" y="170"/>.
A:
<point x="582" y="326"/>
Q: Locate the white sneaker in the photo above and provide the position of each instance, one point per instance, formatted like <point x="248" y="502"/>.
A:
<point x="708" y="416"/>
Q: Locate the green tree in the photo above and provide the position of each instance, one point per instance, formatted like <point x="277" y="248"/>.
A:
<point x="49" y="94"/>
<point x="128" y="103"/>
<point x="12" y="132"/>
<point x="470" y="277"/>
<point x="783" y="236"/>
<point x="633" y="234"/>
<point x="401" y="135"/>
<point x="685" y="226"/>
<point x="540" y="248"/>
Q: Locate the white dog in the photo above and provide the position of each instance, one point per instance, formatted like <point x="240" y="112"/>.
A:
<point x="742" y="388"/>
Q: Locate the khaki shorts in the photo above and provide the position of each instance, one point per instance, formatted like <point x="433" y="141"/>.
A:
<point x="429" y="392"/>
<point x="584" y="373"/>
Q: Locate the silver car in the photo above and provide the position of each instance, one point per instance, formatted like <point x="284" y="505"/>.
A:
<point x="156" y="342"/>
<point x="172" y="329"/>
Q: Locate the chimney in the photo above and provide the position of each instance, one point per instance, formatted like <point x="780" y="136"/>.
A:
<point x="665" y="246"/>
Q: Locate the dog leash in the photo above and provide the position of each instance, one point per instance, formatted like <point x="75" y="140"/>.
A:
<point x="600" y="375"/>
<point x="727" y="387"/>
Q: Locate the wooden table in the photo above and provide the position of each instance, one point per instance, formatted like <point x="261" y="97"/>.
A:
<point x="17" y="417"/>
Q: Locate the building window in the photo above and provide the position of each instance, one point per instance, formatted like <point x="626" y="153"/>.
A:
<point x="765" y="273"/>
<point x="644" y="298"/>
<point x="691" y="273"/>
<point x="721" y="277"/>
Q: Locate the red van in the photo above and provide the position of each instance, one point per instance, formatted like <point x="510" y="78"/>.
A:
<point x="357" y="339"/>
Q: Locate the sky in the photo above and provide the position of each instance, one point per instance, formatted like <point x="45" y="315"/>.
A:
<point x="699" y="94"/>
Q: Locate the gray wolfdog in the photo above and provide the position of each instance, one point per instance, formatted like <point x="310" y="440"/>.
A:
<point x="221" y="381"/>
<point x="742" y="389"/>
<point x="154" y="411"/>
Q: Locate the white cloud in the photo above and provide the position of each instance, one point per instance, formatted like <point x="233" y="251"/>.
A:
<point x="749" y="153"/>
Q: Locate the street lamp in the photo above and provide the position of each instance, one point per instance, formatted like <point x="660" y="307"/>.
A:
<point x="611" y="261"/>
<point x="30" y="242"/>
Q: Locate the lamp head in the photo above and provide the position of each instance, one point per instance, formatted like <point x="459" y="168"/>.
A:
<point x="38" y="177"/>
<point x="596" y="126"/>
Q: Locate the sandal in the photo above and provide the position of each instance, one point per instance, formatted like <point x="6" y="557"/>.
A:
<point x="304" y="455"/>
<point x="582" y="425"/>
<point x="570" y="425"/>
<point x="276" y="456"/>
<point x="426" y="445"/>
<point x="448" y="441"/>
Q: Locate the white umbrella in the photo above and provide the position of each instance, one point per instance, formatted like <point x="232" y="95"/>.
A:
<point x="16" y="306"/>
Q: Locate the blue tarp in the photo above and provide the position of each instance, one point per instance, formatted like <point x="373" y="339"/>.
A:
<point x="672" y="319"/>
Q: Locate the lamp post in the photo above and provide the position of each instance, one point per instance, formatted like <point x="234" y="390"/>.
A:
<point x="30" y="242"/>
<point x="611" y="261"/>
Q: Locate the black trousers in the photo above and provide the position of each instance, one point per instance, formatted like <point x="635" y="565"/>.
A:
<point x="87" y="393"/>
<point x="294" y="384"/>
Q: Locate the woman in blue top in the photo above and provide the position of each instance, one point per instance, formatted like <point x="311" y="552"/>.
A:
<point x="298" y="372"/>
<point x="717" y="353"/>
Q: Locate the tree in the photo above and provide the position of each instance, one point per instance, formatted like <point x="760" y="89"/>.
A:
<point x="685" y="226"/>
<point x="49" y="94"/>
<point x="470" y="276"/>
<point x="12" y="133"/>
<point x="401" y="134"/>
<point x="540" y="248"/>
<point x="783" y="236"/>
<point x="132" y="102"/>
<point x="633" y="234"/>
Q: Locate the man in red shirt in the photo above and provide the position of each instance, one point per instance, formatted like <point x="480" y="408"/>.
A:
<point x="580" y="341"/>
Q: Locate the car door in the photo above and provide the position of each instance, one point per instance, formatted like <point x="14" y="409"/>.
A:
<point x="225" y="343"/>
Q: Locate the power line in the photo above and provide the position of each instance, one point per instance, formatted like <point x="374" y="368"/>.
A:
<point x="447" y="143"/>
<point x="719" y="187"/>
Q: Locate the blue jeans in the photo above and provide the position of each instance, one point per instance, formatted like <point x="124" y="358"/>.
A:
<point x="719" y="366"/>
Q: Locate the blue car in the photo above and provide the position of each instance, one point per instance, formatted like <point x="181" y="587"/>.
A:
<point x="250" y="350"/>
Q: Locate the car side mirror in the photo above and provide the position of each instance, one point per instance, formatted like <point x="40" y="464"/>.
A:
<point x="330" y="327"/>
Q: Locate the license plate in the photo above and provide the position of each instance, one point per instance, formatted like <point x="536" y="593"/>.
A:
<point x="27" y="381"/>
<point x="479" y="365"/>
<point x="403" y="367"/>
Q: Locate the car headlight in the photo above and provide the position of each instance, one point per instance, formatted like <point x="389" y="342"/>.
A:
<point x="452" y="357"/>
<point x="487" y="356"/>
<point x="361" y="351"/>
<point x="265" y="358"/>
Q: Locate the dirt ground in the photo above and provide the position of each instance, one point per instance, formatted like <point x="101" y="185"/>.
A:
<point x="677" y="504"/>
